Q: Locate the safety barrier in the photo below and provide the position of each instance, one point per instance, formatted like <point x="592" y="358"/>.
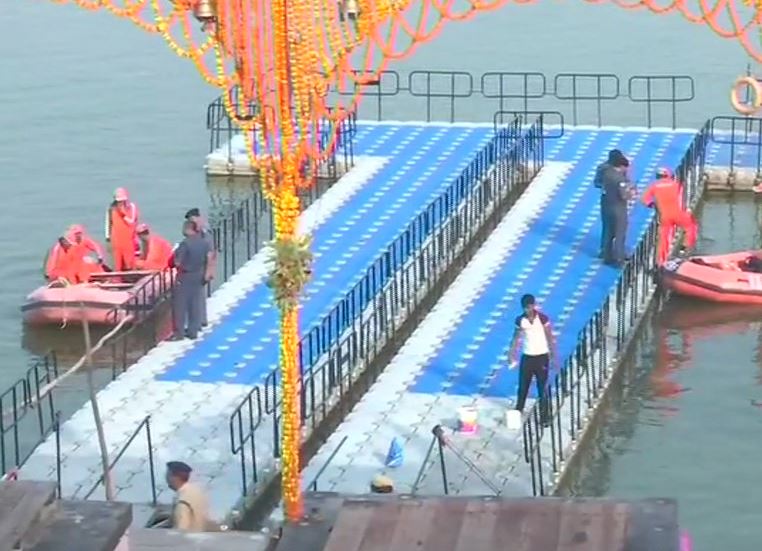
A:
<point x="450" y="96"/>
<point x="145" y="425"/>
<point x="741" y="135"/>
<point x="334" y="353"/>
<point x="549" y="434"/>
<point x="335" y="139"/>
<point x="27" y="415"/>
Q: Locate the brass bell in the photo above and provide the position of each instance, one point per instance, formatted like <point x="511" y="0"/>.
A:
<point x="204" y="11"/>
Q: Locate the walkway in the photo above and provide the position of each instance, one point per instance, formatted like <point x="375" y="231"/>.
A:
<point x="546" y="245"/>
<point x="191" y="389"/>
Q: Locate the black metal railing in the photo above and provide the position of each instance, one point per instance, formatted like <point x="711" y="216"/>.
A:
<point x="450" y="96"/>
<point x="27" y="413"/>
<point x="334" y="139"/>
<point x="555" y="422"/>
<point x="742" y="137"/>
<point x="349" y="338"/>
<point x="313" y="484"/>
<point x="145" y="425"/>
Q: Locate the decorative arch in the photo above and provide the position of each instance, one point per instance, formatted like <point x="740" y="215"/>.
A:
<point x="282" y="56"/>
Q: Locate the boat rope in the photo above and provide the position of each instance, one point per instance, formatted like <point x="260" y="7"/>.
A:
<point x="48" y="388"/>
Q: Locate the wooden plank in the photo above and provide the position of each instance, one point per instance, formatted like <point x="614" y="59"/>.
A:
<point x="444" y="530"/>
<point x="21" y="505"/>
<point x="84" y="526"/>
<point x="386" y="517"/>
<point x="654" y="526"/>
<point x="479" y="520"/>
<point x="580" y="523"/>
<point x="314" y="533"/>
<point x="615" y="527"/>
<point x="155" y="539"/>
<point x="349" y="529"/>
<point x="413" y="526"/>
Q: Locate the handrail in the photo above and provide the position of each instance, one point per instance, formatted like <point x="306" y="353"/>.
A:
<point x="17" y="401"/>
<point x="145" y="423"/>
<point x="585" y="372"/>
<point x="521" y="91"/>
<point x="313" y="485"/>
<point x="351" y="336"/>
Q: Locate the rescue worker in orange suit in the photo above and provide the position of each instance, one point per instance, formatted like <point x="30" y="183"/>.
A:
<point x="121" y="224"/>
<point x="87" y="251"/>
<point x="61" y="264"/>
<point x="666" y="194"/>
<point x="155" y="251"/>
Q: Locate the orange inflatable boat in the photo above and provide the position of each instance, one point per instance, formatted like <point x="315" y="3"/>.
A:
<point x="725" y="278"/>
<point x="107" y="298"/>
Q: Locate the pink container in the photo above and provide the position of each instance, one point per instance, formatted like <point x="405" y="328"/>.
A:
<point x="686" y="544"/>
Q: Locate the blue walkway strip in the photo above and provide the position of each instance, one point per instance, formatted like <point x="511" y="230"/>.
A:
<point x="423" y="161"/>
<point x="570" y="282"/>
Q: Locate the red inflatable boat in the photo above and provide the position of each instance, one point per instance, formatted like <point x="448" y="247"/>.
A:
<point x="107" y="298"/>
<point x="721" y="278"/>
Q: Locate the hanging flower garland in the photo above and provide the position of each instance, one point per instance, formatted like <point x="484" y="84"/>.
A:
<point x="291" y="270"/>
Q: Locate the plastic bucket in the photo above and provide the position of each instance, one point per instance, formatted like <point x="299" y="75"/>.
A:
<point x="467" y="420"/>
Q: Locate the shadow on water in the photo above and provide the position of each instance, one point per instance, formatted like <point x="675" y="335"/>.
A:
<point x="686" y="422"/>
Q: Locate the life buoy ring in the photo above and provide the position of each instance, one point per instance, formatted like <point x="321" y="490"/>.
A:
<point x="746" y="109"/>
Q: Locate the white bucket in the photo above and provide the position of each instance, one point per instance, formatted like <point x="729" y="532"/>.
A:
<point x="513" y="419"/>
<point x="467" y="419"/>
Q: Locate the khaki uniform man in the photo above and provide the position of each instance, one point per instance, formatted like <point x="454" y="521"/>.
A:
<point x="190" y="512"/>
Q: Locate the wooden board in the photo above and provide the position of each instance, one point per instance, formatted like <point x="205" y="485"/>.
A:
<point x="391" y="523"/>
<point x="146" y="539"/>
<point x="21" y="505"/>
<point x="83" y="526"/>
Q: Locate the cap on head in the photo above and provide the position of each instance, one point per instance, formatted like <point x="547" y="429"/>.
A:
<point x="620" y="162"/>
<point x="142" y="228"/>
<point x="120" y="194"/>
<point x="75" y="229"/>
<point x="178" y="468"/>
<point x="527" y="300"/>
<point x="663" y="172"/>
<point x="192" y="213"/>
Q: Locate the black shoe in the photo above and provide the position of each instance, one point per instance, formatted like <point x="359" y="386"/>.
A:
<point x="614" y="263"/>
<point x="176" y="338"/>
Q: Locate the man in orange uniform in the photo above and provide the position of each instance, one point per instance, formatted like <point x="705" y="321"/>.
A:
<point x="155" y="251"/>
<point x="62" y="263"/>
<point x="666" y="194"/>
<point x="121" y="223"/>
<point x="87" y="250"/>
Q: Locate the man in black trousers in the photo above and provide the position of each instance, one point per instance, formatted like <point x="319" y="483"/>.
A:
<point x="532" y="327"/>
<point x="615" y="155"/>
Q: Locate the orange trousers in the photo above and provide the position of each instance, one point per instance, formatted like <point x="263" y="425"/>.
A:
<point x="668" y="224"/>
<point x="124" y="256"/>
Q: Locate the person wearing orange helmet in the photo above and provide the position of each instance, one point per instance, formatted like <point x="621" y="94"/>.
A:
<point x="155" y="251"/>
<point x="666" y="194"/>
<point x="61" y="262"/>
<point x="87" y="250"/>
<point x="121" y="224"/>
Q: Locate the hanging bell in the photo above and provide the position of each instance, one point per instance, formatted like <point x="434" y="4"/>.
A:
<point x="204" y="11"/>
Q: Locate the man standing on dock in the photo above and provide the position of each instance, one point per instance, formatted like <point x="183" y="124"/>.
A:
<point x="121" y="223"/>
<point x="617" y="192"/>
<point x="614" y="156"/>
<point x="533" y="328"/>
<point x="194" y="215"/>
<point x="666" y="194"/>
<point x="191" y="258"/>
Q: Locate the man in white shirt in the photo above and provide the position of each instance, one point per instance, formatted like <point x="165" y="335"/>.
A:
<point x="533" y="329"/>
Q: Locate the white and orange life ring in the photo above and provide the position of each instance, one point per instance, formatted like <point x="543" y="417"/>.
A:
<point x="746" y="109"/>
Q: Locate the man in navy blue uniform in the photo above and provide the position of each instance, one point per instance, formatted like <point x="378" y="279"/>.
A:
<point x="615" y="155"/>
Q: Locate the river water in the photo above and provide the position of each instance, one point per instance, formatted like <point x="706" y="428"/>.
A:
<point x="688" y="418"/>
<point x="89" y="103"/>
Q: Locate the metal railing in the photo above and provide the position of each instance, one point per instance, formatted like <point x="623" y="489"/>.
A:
<point x="145" y="424"/>
<point x="556" y="421"/>
<point x="313" y="485"/>
<point x="27" y="415"/>
<point x="449" y="96"/>
<point x="145" y="298"/>
<point x="337" y="350"/>
<point x="741" y="136"/>
<point x="334" y="140"/>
